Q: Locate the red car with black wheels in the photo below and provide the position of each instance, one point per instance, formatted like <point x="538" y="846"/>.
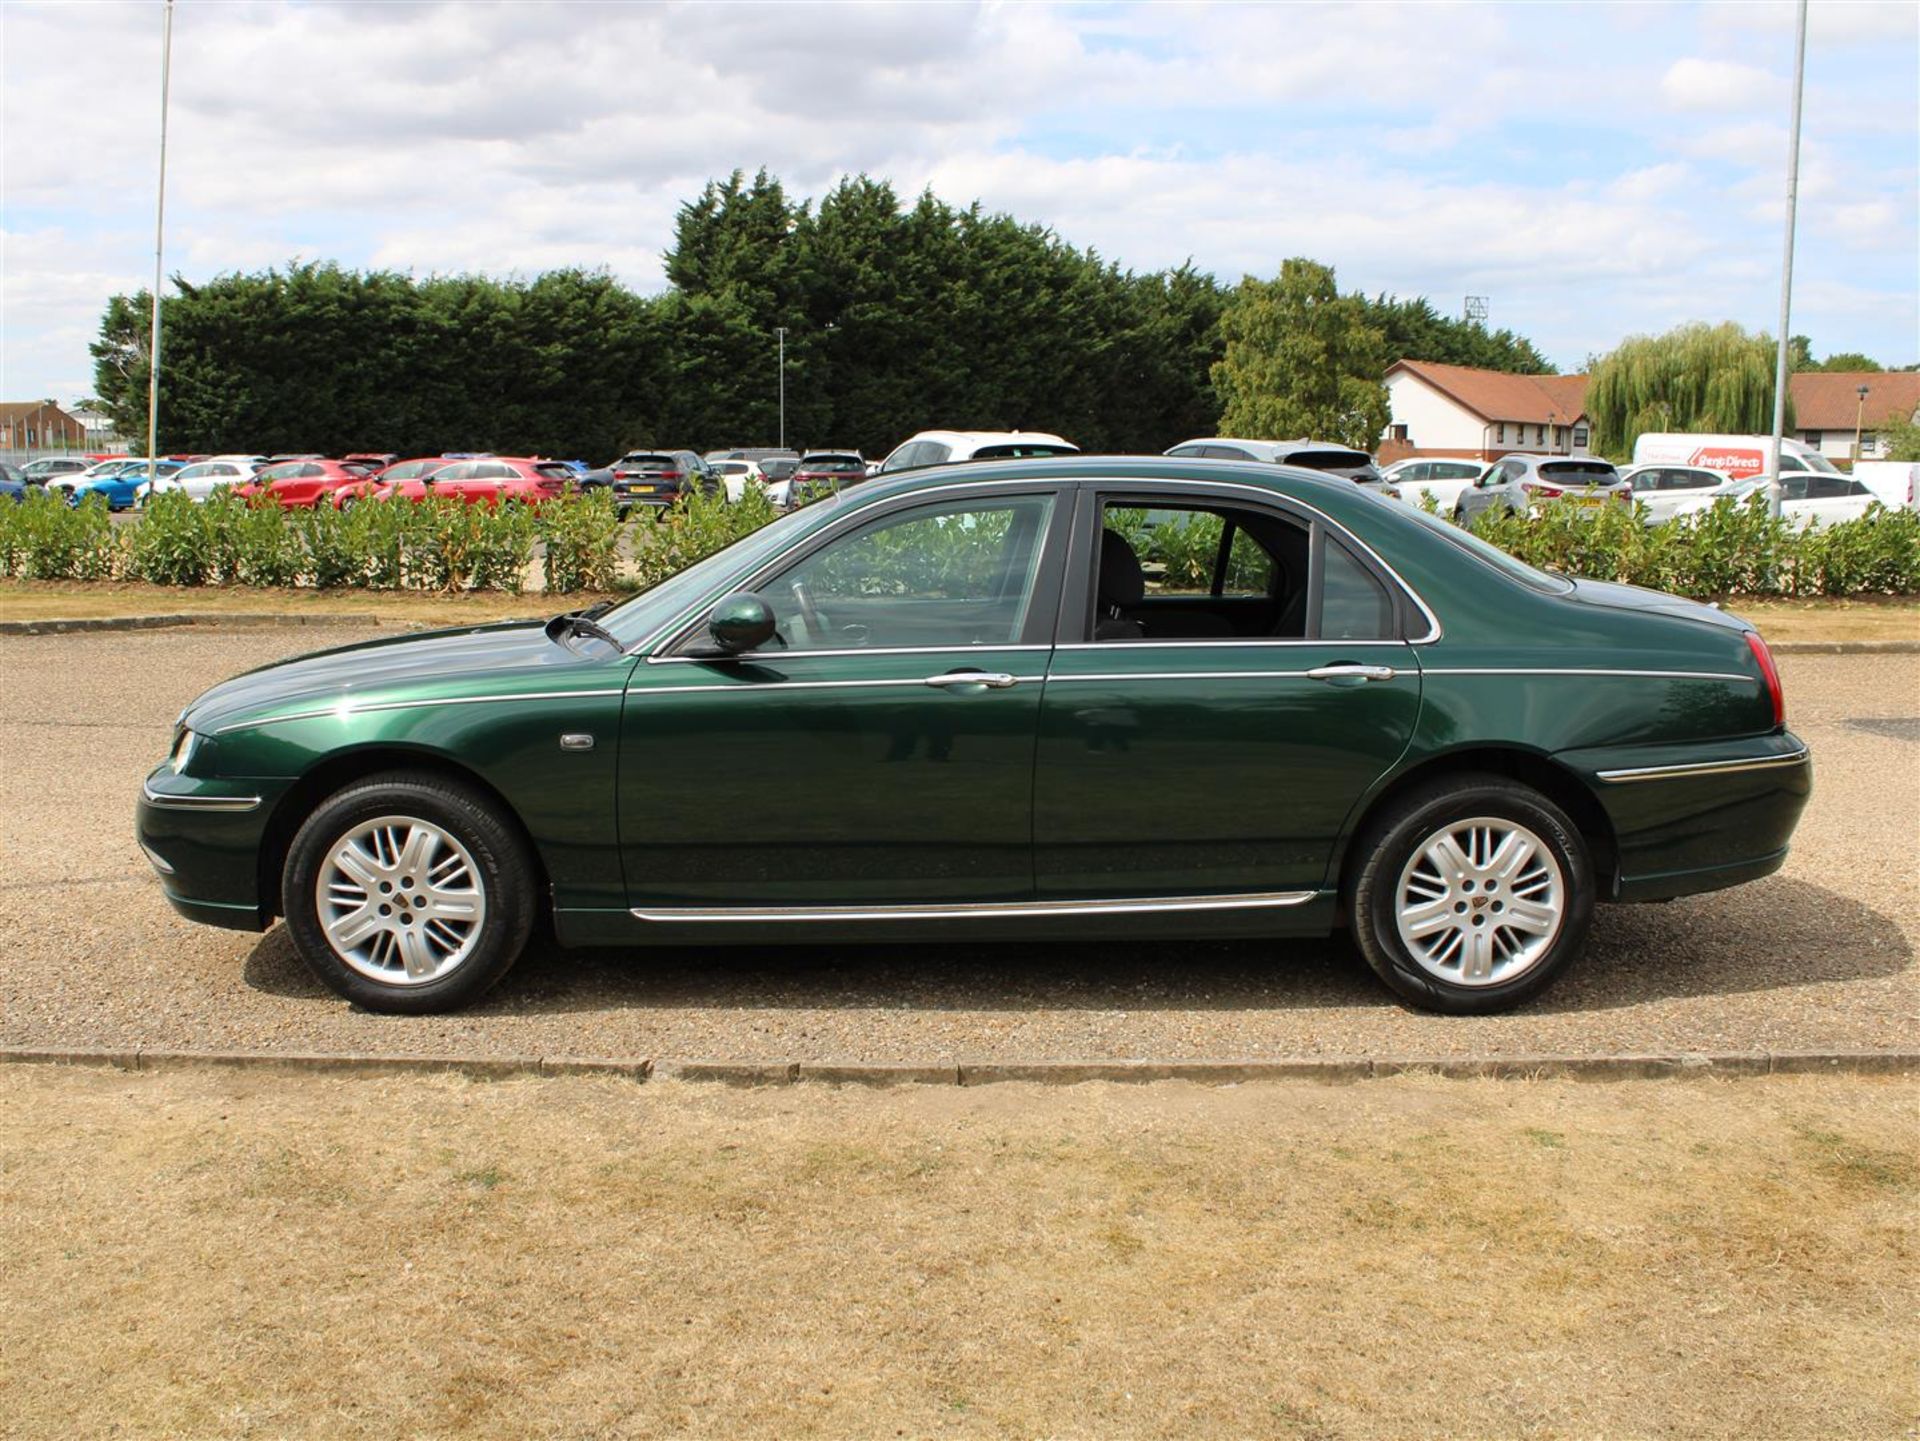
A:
<point x="487" y="482"/>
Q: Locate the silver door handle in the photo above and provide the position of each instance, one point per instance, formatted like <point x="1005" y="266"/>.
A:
<point x="991" y="679"/>
<point x="1351" y="672"/>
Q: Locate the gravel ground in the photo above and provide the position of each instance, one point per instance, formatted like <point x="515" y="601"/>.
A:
<point x="1818" y="957"/>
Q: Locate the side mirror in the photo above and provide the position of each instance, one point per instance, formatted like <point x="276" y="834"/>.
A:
<point x="740" y="622"/>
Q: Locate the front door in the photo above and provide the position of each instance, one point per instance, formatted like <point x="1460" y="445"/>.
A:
<point x="880" y="751"/>
<point x="1210" y="728"/>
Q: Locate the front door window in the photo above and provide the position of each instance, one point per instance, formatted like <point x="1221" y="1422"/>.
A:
<point x="960" y="574"/>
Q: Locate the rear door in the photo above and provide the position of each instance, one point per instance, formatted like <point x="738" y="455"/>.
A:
<point x="1181" y="764"/>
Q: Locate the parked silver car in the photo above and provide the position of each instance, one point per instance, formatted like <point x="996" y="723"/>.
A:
<point x="1517" y="484"/>
<point x="1328" y="456"/>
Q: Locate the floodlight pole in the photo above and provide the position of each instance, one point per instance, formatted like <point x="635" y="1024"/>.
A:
<point x="159" y="231"/>
<point x="1786" y="268"/>
<point x="781" y="331"/>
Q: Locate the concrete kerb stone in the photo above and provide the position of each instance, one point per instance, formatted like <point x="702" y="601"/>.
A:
<point x="1332" y="1070"/>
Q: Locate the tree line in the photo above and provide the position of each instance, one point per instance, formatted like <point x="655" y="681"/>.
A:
<point x="897" y="316"/>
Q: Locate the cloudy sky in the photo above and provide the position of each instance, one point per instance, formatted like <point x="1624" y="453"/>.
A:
<point x="1593" y="169"/>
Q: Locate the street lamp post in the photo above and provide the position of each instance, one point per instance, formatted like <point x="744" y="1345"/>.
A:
<point x="781" y="331"/>
<point x="1859" y="417"/>
<point x="1786" y="267"/>
<point x="159" y="230"/>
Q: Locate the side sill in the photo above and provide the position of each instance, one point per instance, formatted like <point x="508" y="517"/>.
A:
<point x="983" y="910"/>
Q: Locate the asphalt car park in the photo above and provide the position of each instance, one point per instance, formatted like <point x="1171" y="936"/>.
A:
<point x="1818" y="957"/>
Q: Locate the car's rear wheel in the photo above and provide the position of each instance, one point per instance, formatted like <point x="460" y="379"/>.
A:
<point x="1475" y="894"/>
<point x="406" y="892"/>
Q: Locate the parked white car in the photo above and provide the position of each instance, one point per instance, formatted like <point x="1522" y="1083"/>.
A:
<point x="736" y="476"/>
<point x="1808" y="500"/>
<point x="1441" y="477"/>
<point x="949" y="447"/>
<point x="201" y="479"/>
<point x="1670" y="490"/>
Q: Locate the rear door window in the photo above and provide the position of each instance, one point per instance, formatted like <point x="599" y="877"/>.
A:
<point x="1354" y="605"/>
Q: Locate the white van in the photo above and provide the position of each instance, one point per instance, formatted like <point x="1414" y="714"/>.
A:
<point x="1738" y="456"/>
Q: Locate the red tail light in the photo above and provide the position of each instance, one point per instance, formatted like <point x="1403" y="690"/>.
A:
<point x="1546" y="492"/>
<point x="1770" y="674"/>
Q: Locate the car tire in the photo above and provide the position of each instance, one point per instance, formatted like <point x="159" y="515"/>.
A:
<point x="1491" y="928"/>
<point x="468" y="924"/>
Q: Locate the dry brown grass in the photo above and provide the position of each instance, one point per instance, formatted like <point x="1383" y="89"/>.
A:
<point x="1873" y="617"/>
<point x="224" y="1253"/>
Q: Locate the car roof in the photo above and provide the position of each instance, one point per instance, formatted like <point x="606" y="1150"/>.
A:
<point x="987" y="437"/>
<point x="1275" y="449"/>
<point x="1309" y="485"/>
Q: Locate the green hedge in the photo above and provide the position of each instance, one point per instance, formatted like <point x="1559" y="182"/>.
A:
<point x="446" y="545"/>
<point x="1731" y="549"/>
<point x="437" y="545"/>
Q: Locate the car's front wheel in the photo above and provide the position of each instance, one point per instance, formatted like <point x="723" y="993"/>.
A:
<point x="406" y="892"/>
<point x="1475" y="894"/>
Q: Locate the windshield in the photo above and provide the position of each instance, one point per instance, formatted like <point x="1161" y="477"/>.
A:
<point x="833" y="464"/>
<point x="633" y="620"/>
<point x="1816" y="461"/>
<point x="1595" y="472"/>
<point x="1486" y="554"/>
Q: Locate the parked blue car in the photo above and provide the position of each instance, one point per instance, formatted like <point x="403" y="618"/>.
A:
<point x="119" y="481"/>
<point x="13" y="484"/>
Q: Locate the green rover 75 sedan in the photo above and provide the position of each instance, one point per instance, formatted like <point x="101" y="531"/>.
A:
<point x="1069" y="698"/>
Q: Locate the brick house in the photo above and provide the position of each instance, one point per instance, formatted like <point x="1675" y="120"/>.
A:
<point x="1482" y="414"/>
<point x="1827" y="405"/>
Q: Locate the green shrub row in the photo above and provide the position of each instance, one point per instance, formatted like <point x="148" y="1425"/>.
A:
<point x="437" y="545"/>
<point x="1731" y="549"/>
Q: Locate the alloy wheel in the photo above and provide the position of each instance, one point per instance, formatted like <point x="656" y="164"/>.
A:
<point x="1480" y="901"/>
<point x="400" y="900"/>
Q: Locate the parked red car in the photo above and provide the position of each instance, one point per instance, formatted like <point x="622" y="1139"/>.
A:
<point x="487" y="482"/>
<point x="370" y="486"/>
<point x="299" y="484"/>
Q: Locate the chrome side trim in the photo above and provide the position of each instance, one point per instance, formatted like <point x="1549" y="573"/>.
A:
<point x="168" y="802"/>
<point x="978" y="910"/>
<point x="346" y="707"/>
<point x="748" y="687"/>
<point x="1181" y="675"/>
<point x="1705" y="768"/>
<point x="1219" y="643"/>
<point x="1592" y="671"/>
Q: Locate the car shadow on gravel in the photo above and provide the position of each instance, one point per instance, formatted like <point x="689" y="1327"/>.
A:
<point x="1779" y="934"/>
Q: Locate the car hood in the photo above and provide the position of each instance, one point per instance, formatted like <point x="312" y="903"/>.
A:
<point x="1632" y="597"/>
<point x="506" y="658"/>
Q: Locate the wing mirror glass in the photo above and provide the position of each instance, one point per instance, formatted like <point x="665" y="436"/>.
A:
<point x="740" y="622"/>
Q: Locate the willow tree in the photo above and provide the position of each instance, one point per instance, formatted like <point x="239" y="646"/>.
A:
<point x="1699" y="378"/>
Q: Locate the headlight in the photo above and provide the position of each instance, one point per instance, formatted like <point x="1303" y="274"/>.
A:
<point x="183" y="745"/>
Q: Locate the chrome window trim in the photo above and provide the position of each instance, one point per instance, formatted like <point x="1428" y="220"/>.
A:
<point x="1632" y="774"/>
<point x="1283" y="499"/>
<point x="169" y="802"/>
<point x="781" y="655"/>
<point x="345" y="708"/>
<point x="678" y="627"/>
<point x="674" y="630"/>
<point x="977" y="910"/>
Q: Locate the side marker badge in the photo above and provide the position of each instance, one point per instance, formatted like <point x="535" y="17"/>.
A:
<point x="573" y="741"/>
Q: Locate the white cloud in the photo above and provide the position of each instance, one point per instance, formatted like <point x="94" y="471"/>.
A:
<point x="1720" y="85"/>
<point x="1530" y="152"/>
